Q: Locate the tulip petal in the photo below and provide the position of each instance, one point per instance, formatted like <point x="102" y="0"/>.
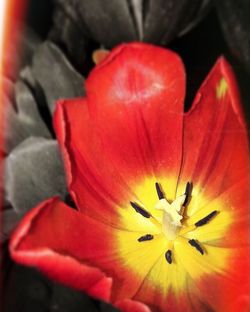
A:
<point x="215" y="149"/>
<point x="230" y="290"/>
<point x="136" y="100"/>
<point x="104" y="169"/>
<point x="149" y="136"/>
<point x="49" y="238"/>
<point x="128" y="305"/>
<point x="215" y="159"/>
<point x="81" y="252"/>
<point x="92" y="179"/>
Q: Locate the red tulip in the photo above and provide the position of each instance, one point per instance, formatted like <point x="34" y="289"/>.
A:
<point x="162" y="195"/>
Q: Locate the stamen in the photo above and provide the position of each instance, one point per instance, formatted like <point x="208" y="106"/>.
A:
<point x="146" y="237"/>
<point x="196" y="245"/>
<point x="206" y="219"/>
<point x="188" y="191"/>
<point x="140" y="210"/>
<point x="159" y="190"/>
<point x="168" y="256"/>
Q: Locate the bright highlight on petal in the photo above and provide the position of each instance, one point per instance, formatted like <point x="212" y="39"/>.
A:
<point x="221" y="88"/>
<point x="162" y="196"/>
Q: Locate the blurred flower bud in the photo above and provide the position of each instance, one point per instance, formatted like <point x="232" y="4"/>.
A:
<point x="235" y="22"/>
<point x="110" y="22"/>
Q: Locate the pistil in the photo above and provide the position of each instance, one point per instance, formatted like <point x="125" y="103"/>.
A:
<point x="171" y="220"/>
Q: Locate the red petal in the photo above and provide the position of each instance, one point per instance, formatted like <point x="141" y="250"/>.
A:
<point x="93" y="181"/>
<point x="216" y="161"/>
<point x="135" y="98"/>
<point x="230" y="290"/>
<point x="128" y="305"/>
<point x="75" y="250"/>
<point x="52" y="238"/>
<point x="215" y="136"/>
<point x="103" y="167"/>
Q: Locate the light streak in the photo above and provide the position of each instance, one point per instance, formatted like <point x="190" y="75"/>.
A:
<point x="11" y="13"/>
<point x="3" y="6"/>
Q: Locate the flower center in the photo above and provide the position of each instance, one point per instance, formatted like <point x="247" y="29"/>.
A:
<point x="173" y="215"/>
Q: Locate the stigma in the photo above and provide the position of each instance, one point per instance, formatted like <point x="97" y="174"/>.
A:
<point x="172" y="216"/>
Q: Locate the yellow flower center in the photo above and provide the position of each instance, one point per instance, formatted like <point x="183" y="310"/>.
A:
<point x="172" y="215"/>
<point x="166" y="239"/>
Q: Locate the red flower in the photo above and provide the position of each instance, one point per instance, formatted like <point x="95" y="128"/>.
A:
<point x="162" y="196"/>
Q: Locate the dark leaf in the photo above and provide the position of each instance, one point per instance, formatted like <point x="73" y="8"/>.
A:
<point x="107" y="22"/>
<point x="71" y="37"/>
<point x="22" y="117"/>
<point x="55" y="75"/>
<point x="113" y="22"/>
<point x="9" y="219"/>
<point x="27" y="291"/>
<point x="105" y="307"/>
<point x="34" y="172"/>
<point x="235" y="22"/>
<point x="69" y="300"/>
